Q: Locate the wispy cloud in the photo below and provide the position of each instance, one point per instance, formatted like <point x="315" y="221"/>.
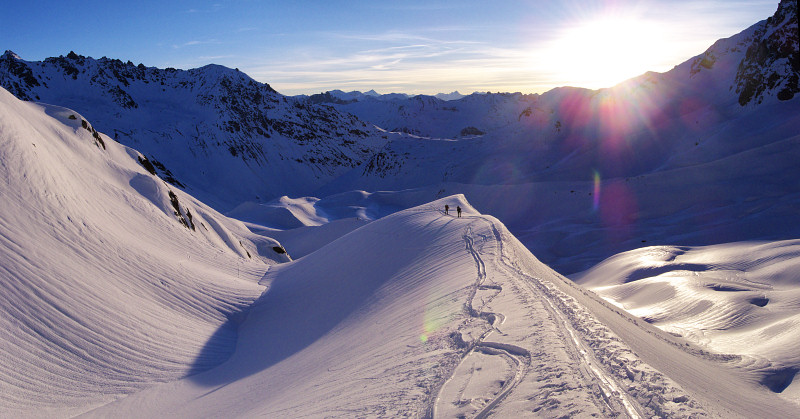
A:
<point x="421" y="65"/>
<point x="195" y="43"/>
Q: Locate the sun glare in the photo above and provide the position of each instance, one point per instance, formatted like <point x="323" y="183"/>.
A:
<point x="604" y="51"/>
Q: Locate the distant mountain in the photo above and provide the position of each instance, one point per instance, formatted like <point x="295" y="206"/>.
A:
<point x="219" y="133"/>
<point x="454" y="95"/>
<point x="341" y="97"/>
<point x="763" y="64"/>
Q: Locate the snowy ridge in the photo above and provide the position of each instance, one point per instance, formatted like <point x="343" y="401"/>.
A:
<point x="370" y="337"/>
<point x="447" y="316"/>
<point x="122" y="295"/>
<point x="108" y="283"/>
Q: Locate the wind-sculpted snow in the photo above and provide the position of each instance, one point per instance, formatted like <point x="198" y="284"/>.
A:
<point x="103" y="290"/>
<point x="738" y="299"/>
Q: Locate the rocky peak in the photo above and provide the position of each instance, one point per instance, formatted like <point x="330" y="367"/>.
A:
<point x="772" y="61"/>
<point x="17" y="77"/>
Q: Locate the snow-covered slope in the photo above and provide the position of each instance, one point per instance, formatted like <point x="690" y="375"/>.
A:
<point x="110" y="279"/>
<point x="213" y="130"/>
<point x="739" y="298"/>
<point x="433" y="314"/>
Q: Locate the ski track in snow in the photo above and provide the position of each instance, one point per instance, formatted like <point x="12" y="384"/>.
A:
<point x="647" y="394"/>
<point x="613" y="396"/>
<point x="517" y="357"/>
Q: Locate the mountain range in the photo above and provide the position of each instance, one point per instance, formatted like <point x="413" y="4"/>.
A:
<point x="207" y="129"/>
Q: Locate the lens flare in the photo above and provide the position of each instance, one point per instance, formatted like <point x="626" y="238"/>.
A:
<point x="596" y="192"/>
<point x="432" y="320"/>
<point x="618" y="211"/>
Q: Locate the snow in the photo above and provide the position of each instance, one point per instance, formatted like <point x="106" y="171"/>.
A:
<point x="447" y="316"/>
<point x="368" y="338"/>
<point x="737" y="298"/>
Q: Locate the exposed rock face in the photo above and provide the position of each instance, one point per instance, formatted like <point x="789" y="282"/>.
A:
<point x="772" y="62"/>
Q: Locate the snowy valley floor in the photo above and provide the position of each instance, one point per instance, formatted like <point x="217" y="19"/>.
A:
<point x="425" y="314"/>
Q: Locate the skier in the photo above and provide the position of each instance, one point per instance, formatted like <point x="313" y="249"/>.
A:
<point x="446" y="209"/>
<point x="458" y="210"/>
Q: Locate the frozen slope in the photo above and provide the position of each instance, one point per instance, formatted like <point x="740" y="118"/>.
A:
<point x="420" y="314"/>
<point x="105" y="287"/>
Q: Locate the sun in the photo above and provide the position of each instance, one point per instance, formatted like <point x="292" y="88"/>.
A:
<point x="604" y="51"/>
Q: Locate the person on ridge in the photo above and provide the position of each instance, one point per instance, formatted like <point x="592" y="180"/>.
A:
<point x="458" y="210"/>
<point x="446" y="209"/>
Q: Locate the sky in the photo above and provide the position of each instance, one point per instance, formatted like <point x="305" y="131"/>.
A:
<point x="413" y="46"/>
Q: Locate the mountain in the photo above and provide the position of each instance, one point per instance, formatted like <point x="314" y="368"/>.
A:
<point x="759" y="63"/>
<point x="572" y="171"/>
<point x="110" y="279"/>
<point x="772" y="61"/>
<point x="512" y="154"/>
<point x="116" y="301"/>
<point x="431" y="116"/>
<point x="454" y="95"/>
<point x="340" y="97"/>
<point x="213" y="130"/>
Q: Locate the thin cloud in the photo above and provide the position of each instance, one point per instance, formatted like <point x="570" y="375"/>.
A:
<point x="195" y="43"/>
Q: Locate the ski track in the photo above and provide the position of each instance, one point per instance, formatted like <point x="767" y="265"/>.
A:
<point x="601" y="372"/>
<point x="647" y="391"/>
<point x="614" y="398"/>
<point x="516" y="356"/>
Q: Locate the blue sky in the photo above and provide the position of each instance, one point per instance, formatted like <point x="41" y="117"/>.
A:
<point x="417" y="46"/>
